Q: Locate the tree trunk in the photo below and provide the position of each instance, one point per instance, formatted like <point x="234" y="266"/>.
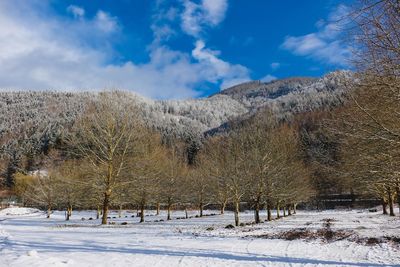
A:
<point x="169" y="211"/>
<point x="384" y="207"/>
<point x="269" y="215"/>
<point x="398" y="197"/>
<point x="201" y="207"/>
<point x="48" y="211"/>
<point x="120" y="211"/>
<point x="353" y="197"/>
<point x="222" y="209"/>
<point x="289" y="210"/>
<point x="106" y="203"/>
<point x="158" y="209"/>
<point x="278" y="215"/>
<point x="142" y="212"/>
<point x="98" y="213"/>
<point x="257" y="212"/>
<point x="398" y="202"/>
<point x="284" y="210"/>
<point x="294" y="208"/>
<point x="186" y="212"/>
<point x="69" y="213"/>
<point x="237" y="213"/>
<point x="391" y="207"/>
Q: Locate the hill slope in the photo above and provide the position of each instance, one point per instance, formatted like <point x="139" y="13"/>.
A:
<point x="31" y="122"/>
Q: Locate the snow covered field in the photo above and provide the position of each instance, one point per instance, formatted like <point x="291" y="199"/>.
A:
<point x="27" y="238"/>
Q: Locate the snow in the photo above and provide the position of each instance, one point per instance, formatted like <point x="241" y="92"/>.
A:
<point x="32" y="253"/>
<point x="12" y="211"/>
<point x="32" y="240"/>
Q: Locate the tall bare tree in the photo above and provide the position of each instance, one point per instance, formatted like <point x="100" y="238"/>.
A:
<point x="174" y="179"/>
<point x="71" y="186"/>
<point x="233" y="155"/>
<point x="214" y="164"/>
<point x="369" y="126"/>
<point x="107" y="135"/>
<point x="146" y="171"/>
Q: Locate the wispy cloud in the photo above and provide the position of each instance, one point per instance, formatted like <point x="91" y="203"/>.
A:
<point x="216" y="69"/>
<point x="325" y="44"/>
<point x="163" y="18"/>
<point x="196" y="19"/>
<point x="105" y="22"/>
<point x="208" y="13"/>
<point x="76" y="11"/>
<point x="81" y="57"/>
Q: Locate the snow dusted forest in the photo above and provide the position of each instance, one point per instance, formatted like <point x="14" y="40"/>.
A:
<point x="33" y="122"/>
<point x="291" y="172"/>
<point x="40" y="129"/>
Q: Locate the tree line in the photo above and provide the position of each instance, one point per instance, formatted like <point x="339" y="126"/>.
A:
<point x="115" y="159"/>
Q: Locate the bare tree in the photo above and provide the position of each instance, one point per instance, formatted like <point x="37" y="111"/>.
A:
<point x="107" y="136"/>
<point x="214" y="164"/>
<point x="274" y="165"/>
<point x="146" y="171"/>
<point x="262" y="160"/>
<point x="376" y="37"/>
<point x="234" y="158"/>
<point x="202" y="184"/>
<point x="70" y="186"/>
<point x="174" y="177"/>
<point x="23" y="183"/>
<point x="369" y="126"/>
<point x="43" y="190"/>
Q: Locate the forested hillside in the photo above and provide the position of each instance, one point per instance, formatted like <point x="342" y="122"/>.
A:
<point x="33" y="122"/>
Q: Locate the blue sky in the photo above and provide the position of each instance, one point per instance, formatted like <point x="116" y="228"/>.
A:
<point x="167" y="48"/>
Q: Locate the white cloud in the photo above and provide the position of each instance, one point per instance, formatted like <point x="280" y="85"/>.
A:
<point x="190" y="19"/>
<point x="325" y="44"/>
<point x="214" y="10"/>
<point x="304" y="45"/>
<point x="195" y="18"/>
<point x="218" y="70"/>
<point x="105" y="22"/>
<point x="77" y="11"/>
<point x="268" y="78"/>
<point x="208" y="13"/>
<point x="57" y="54"/>
<point x="164" y="15"/>
<point x="337" y="20"/>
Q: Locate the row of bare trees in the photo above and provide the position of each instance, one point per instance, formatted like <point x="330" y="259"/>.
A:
<point x="115" y="161"/>
<point x="258" y="162"/>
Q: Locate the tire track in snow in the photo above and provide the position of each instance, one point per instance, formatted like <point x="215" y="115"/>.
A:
<point x="161" y="261"/>
<point x="181" y="259"/>
<point x="248" y="244"/>
<point x="287" y="253"/>
<point x="248" y="251"/>
<point x="4" y="238"/>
